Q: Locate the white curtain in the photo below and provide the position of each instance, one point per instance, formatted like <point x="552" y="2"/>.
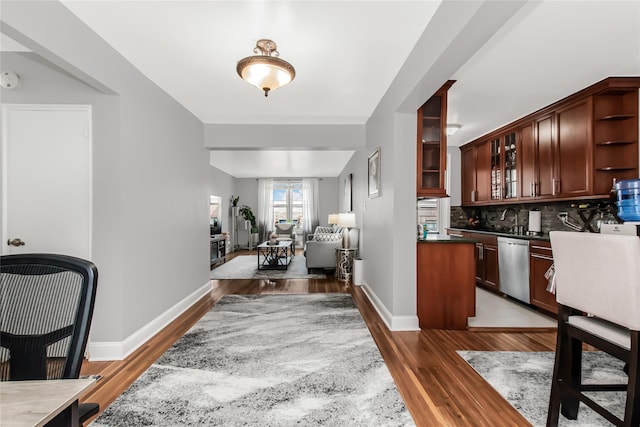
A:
<point x="265" y="208"/>
<point x="310" y="205"/>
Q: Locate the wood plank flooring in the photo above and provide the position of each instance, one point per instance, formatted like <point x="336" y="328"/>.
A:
<point x="438" y="386"/>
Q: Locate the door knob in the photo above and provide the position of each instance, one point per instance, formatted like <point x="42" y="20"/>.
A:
<point x="15" y="242"/>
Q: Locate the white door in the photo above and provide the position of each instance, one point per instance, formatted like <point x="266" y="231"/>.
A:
<point x="46" y="179"/>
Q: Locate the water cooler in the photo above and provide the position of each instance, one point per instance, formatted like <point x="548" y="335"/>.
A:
<point x="628" y="204"/>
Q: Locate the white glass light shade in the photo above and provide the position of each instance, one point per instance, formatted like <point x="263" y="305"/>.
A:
<point x="347" y="219"/>
<point x="333" y="219"/>
<point x="267" y="73"/>
<point x="452" y="129"/>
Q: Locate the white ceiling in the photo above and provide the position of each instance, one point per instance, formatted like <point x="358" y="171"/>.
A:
<point x="190" y="48"/>
<point x="346" y="54"/>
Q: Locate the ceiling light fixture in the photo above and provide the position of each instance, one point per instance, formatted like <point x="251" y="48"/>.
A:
<point x="452" y="129"/>
<point x="266" y="71"/>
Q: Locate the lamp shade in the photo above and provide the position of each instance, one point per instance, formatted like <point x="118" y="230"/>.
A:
<point x="347" y="219"/>
<point x="333" y="219"/>
<point x="266" y="71"/>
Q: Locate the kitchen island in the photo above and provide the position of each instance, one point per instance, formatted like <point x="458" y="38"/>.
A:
<point x="446" y="285"/>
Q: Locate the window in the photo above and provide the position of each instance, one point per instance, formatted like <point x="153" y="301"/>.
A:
<point x="287" y="201"/>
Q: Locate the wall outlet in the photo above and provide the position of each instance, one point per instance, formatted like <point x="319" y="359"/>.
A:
<point x="563" y="215"/>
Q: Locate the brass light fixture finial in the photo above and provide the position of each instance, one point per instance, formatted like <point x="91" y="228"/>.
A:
<point x="266" y="71"/>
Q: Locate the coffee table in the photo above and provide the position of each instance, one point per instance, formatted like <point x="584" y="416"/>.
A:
<point x="274" y="257"/>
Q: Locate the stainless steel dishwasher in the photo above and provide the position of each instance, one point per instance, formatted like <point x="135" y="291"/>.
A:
<point x="513" y="264"/>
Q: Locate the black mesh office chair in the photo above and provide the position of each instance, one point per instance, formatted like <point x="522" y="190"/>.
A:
<point x="46" y="306"/>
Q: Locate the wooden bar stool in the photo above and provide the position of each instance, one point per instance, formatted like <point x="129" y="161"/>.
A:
<point x="598" y="292"/>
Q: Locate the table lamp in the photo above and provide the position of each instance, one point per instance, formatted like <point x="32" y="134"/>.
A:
<point x="333" y="219"/>
<point x="346" y="220"/>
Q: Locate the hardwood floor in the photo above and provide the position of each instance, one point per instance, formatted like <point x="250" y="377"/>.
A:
<point x="438" y="386"/>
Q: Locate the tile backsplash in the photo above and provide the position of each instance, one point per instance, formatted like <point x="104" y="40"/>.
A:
<point x="489" y="216"/>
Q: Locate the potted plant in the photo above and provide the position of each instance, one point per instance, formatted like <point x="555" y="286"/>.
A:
<point x="234" y="205"/>
<point x="248" y="215"/>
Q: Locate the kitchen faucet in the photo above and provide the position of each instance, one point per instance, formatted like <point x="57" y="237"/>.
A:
<point x="515" y="216"/>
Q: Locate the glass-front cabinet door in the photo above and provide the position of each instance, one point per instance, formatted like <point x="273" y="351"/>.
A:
<point x="496" y="169"/>
<point x="510" y="166"/>
<point x="432" y="144"/>
<point x="504" y="167"/>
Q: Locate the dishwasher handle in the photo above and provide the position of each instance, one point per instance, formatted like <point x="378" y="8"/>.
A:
<point x="513" y="242"/>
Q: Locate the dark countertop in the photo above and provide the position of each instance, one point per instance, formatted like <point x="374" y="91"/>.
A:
<point x="544" y="236"/>
<point x="444" y="238"/>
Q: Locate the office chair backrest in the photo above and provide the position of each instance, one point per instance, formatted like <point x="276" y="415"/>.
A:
<point x="46" y="306"/>
<point x="599" y="274"/>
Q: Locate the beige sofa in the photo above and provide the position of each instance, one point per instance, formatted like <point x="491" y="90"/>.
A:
<point x="320" y="248"/>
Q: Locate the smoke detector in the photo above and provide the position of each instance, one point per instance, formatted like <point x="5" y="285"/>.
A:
<point x="9" y="80"/>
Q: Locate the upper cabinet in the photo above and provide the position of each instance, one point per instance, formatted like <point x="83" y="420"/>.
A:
<point x="476" y="173"/>
<point x="432" y="144"/>
<point x="572" y="149"/>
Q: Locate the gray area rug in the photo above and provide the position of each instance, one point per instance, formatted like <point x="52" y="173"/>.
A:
<point x="267" y="360"/>
<point x="246" y="267"/>
<point x="524" y="380"/>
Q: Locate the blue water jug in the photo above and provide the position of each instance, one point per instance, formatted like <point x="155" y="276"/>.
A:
<point x="628" y="199"/>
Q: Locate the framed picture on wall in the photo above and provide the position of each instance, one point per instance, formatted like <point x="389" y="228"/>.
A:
<point x="347" y="193"/>
<point x="374" y="174"/>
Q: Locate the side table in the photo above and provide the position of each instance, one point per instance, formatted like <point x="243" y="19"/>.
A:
<point x="344" y="265"/>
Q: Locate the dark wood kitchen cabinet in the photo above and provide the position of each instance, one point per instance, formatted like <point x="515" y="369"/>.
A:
<point x="504" y="158"/>
<point x="545" y="158"/>
<point x="476" y="174"/>
<point x="569" y="150"/>
<point x="540" y="259"/>
<point x="469" y="178"/>
<point x="555" y="161"/>
<point x="487" y="273"/>
<point x="446" y="292"/>
<point x="573" y="151"/>
<point x="486" y="258"/>
<point x="432" y="144"/>
<point x="527" y="162"/>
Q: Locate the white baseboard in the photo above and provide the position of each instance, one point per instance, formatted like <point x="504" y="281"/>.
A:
<point x="394" y="323"/>
<point x="119" y="350"/>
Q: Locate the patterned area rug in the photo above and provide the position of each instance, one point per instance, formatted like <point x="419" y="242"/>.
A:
<point x="246" y="267"/>
<point x="267" y="360"/>
<point x="524" y="380"/>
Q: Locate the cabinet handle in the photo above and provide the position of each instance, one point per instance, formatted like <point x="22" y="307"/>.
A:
<point x="473" y="195"/>
<point x="480" y="251"/>
<point x="531" y="189"/>
<point x="553" y="187"/>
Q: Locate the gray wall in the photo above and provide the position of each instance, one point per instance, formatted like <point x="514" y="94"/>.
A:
<point x="330" y="191"/>
<point x="151" y="171"/>
<point x="222" y="185"/>
<point x="455" y="33"/>
<point x="455" y="172"/>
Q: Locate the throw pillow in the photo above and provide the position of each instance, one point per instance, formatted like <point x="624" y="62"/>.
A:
<point x="327" y="237"/>
<point x="320" y="229"/>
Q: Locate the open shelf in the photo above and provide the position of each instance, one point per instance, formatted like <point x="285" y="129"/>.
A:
<point x="616" y="117"/>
